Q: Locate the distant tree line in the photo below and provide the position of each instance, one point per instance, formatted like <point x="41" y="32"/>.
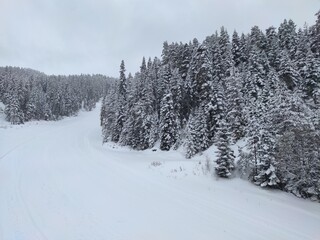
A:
<point x="31" y="95"/>
<point x="263" y="87"/>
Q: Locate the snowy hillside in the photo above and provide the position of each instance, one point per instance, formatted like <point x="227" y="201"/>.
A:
<point x="263" y="86"/>
<point x="58" y="182"/>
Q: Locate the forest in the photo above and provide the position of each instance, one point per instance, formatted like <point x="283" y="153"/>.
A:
<point x="31" y="95"/>
<point x="262" y="87"/>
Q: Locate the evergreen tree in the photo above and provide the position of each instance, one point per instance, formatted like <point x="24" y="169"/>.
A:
<point x="168" y="124"/>
<point x="288" y="73"/>
<point x="273" y="48"/>
<point x="266" y="172"/>
<point x="197" y="133"/>
<point x="121" y="103"/>
<point x="13" y="111"/>
<point x="226" y="52"/>
<point x="288" y="37"/>
<point x="235" y="116"/>
<point x="236" y="49"/>
<point x="312" y="77"/>
<point x="315" y="36"/>
<point x="225" y="156"/>
<point x="200" y="75"/>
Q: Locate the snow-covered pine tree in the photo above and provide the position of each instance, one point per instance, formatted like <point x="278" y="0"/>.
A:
<point x="121" y="103"/>
<point x="108" y="117"/>
<point x="225" y="156"/>
<point x="200" y="75"/>
<point x="288" y="73"/>
<point x="266" y="172"/>
<point x="168" y="123"/>
<point x="273" y="48"/>
<point x="311" y="83"/>
<point x="234" y="108"/>
<point x="226" y="53"/>
<point x="303" y="47"/>
<point x="192" y="142"/>
<point x="197" y="132"/>
<point x="235" y="49"/>
<point x="315" y="36"/>
<point x="288" y="37"/>
<point x="13" y="111"/>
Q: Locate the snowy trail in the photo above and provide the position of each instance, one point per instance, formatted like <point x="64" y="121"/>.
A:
<point x="58" y="182"/>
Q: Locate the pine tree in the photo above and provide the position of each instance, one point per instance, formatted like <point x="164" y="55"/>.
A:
<point x="225" y="156"/>
<point x="109" y="115"/>
<point x="303" y="48"/>
<point x="235" y="107"/>
<point x="288" y="37"/>
<point x="226" y="53"/>
<point x="266" y="171"/>
<point x="236" y="49"/>
<point x="311" y="82"/>
<point x="176" y="89"/>
<point x="13" y="111"/>
<point x="185" y="61"/>
<point x="218" y="66"/>
<point x="168" y="123"/>
<point x="200" y="75"/>
<point x="193" y="142"/>
<point x="287" y="72"/>
<point x="31" y="107"/>
<point x="121" y="103"/>
<point x="154" y="129"/>
<point x="273" y="48"/>
<point x="257" y="39"/>
<point x="315" y="36"/>
<point x="198" y="135"/>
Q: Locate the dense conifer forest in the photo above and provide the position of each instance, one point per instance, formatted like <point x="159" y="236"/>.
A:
<point x="31" y="95"/>
<point x="262" y="87"/>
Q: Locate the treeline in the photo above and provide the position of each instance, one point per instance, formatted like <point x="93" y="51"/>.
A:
<point x="263" y="87"/>
<point x="32" y="95"/>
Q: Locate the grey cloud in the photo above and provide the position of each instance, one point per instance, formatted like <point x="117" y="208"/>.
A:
<point x="85" y="36"/>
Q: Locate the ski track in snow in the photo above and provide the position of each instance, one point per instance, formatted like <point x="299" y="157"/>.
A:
<point x="57" y="182"/>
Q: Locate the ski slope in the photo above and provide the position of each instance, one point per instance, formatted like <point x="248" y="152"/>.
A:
<point x="57" y="182"/>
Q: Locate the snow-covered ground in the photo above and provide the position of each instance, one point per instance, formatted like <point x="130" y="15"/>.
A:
<point x="58" y="182"/>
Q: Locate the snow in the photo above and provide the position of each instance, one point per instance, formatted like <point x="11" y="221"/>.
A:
<point x="57" y="181"/>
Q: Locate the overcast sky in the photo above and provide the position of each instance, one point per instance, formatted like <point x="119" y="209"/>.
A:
<point x="93" y="36"/>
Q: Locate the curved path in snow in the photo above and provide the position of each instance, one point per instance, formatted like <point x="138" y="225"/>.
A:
<point x="57" y="182"/>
